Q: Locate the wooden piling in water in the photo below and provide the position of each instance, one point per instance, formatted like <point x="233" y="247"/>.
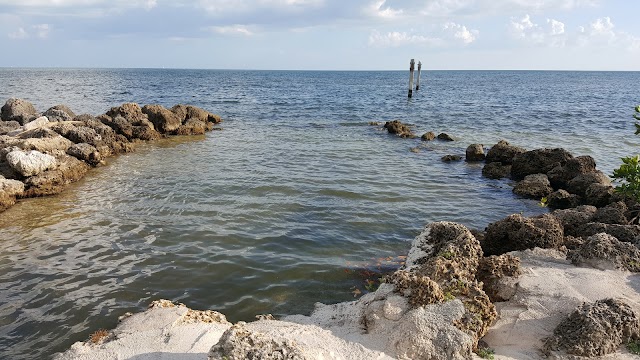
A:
<point x="411" y="68"/>
<point x="419" y="70"/>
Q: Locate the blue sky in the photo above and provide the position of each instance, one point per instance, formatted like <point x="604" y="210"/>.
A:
<point x="322" y="34"/>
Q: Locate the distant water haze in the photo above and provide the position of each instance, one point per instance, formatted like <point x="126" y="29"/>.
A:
<point x="275" y="212"/>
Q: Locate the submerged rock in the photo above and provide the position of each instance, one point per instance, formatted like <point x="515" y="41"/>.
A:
<point x="451" y="158"/>
<point x="595" y="329"/>
<point x="496" y="170"/>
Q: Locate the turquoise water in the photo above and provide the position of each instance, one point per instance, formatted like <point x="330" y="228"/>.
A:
<point x="275" y="212"/>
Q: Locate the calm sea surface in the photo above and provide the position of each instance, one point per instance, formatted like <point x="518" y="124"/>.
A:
<point x="275" y="212"/>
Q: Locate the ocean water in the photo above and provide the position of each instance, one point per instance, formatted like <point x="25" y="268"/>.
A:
<point x="286" y="205"/>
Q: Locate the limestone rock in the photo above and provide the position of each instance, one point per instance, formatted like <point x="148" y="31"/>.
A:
<point x="560" y="175"/>
<point x="145" y="133"/>
<point x="18" y="110"/>
<point x="186" y="112"/>
<point x="499" y="274"/>
<point x="579" y="184"/>
<point x="54" y="181"/>
<point x="8" y="126"/>
<point x="595" y="329"/>
<point x="625" y="233"/>
<point x="9" y="190"/>
<point x="496" y="170"/>
<point x="30" y="163"/>
<point x="599" y="194"/>
<point x="534" y="186"/>
<point x="192" y="127"/>
<point x="39" y="122"/>
<point x="429" y="136"/>
<point x="573" y="219"/>
<point x="238" y="343"/>
<point x="562" y="199"/>
<point x="445" y="137"/>
<point x="86" y="153"/>
<point x="538" y="161"/>
<point x="131" y="112"/>
<point x="59" y="113"/>
<point x="119" y="124"/>
<point x="451" y="158"/>
<point x="503" y="152"/>
<point x="517" y="232"/>
<point x="605" y="252"/>
<point x="614" y="213"/>
<point x="164" y="120"/>
<point x="475" y="152"/>
<point x="398" y="128"/>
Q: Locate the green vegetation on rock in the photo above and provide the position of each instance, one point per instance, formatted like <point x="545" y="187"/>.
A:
<point x="628" y="174"/>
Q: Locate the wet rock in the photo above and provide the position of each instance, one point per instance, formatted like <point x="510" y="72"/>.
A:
<point x="54" y="181"/>
<point x="605" y="252"/>
<point x="415" y="149"/>
<point x="595" y="329"/>
<point x="145" y="133"/>
<point x="534" y="186"/>
<point x="451" y="158"/>
<point x="164" y="120"/>
<point x="9" y="190"/>
<point x="579" y="184"/>
<point x="30" y="163"/>
<point x="8" y="126"/>
<point x="192" y="127"/>
<point x="398" y="128"/>
<point x="86" y="153"/>
<point x="496" y="170"/>
<point x="599" y="194"/>
<point x="18" y="110"/>
<point x="625" y="233"/>
<point x="538" y="161"/>
<point x="612" y="214"/>
<point x="428" y="136"/>
<point x="37" y="123"/>
<point x="499" y="274"/>
<point x="186" y="112"/>
<point x="560" y="175"/>
<point x="573" y="219"/>
<point x="475" y="152"/>
<point x="445" y="137"/>
<point x="240" y="343"/>
<point x="503" y="152"/>
<point x="562" y="199"/>
<point x="517" y="232"/>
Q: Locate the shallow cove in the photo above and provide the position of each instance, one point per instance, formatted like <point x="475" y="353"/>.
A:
<point x="265" y="216"/>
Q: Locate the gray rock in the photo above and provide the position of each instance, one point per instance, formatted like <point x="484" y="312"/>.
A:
<point x="534" y="186"/>
<point x="57" y="115"/>
<point x="579" y="184"/>
<point x="517" y="232"/>
<point x="18" y="110"/>
<point x="503" y="152"/>
<point x="37" y="123"/>
<point x="475" y="152"/>
<point x="30" y="163"/>
<point x="573" y="219"/>
<point x="240" y="343"/>
<point x="496" y="170"/>
<point x="445" y="137"/>
<point x="85" y="152"/>
<point x="562" y="199"/>
<point x="429" y="136"/>
<point x="451" y="158"/>
<point x="595" y="329"/>
<point x="605" y="252"/>
<point x="599" y="194"/>
<point x="625" y="233"/>
<point x="612" y="214"/>
<point x="560" y="175"/>
<point x="538" y="161"/>
<point x="8" y="126"/>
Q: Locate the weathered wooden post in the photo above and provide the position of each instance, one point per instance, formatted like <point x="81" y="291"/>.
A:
<point x="419" y="69"/>
<point x="411" y="67"/>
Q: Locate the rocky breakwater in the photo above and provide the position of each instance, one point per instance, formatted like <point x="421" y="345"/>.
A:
<point x="41" y="153"/>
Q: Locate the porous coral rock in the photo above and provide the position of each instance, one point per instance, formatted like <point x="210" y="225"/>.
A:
<point x="517" y="232"/>
<point x="603" y="251"/>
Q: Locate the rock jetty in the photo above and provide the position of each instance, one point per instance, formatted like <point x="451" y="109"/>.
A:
<point x="41" y="153"/>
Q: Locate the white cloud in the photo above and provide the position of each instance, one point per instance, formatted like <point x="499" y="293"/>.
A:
<point x="557" y="27"/>
<point x="395" y="39"/>
<point x="461" y="32"/>
<point x="42" y="30"/>
<point x="19" y="34"/>
<point x="378" y="9"/>
<point x="550" y="34"/>
<point x="231" y="30"/>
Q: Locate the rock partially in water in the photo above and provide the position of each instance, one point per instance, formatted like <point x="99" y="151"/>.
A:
<point x="85" y="152"/>
<point x="560" y="175"/>
<point x="429" y="136"/>
<point x="445" y="137"/>
<point x="534" y="186"/>
<point x="52" y="182"/>
<point x="475" y="152"/>
<point x="18" y="110"/>
<point x="538" y="161"/>
<point x="398" y="128"/>
<point x="503" y="152"/>
<point x="9" y="191"/>
<point x="579" y="184"/>
<point x="164" y="120"/>
<point x="30" y="163"/>
<point x="496" y="170"/>
<point x="451" y="158"/>
<point x="595" y="329"/>
<point x="517" y="232"/>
